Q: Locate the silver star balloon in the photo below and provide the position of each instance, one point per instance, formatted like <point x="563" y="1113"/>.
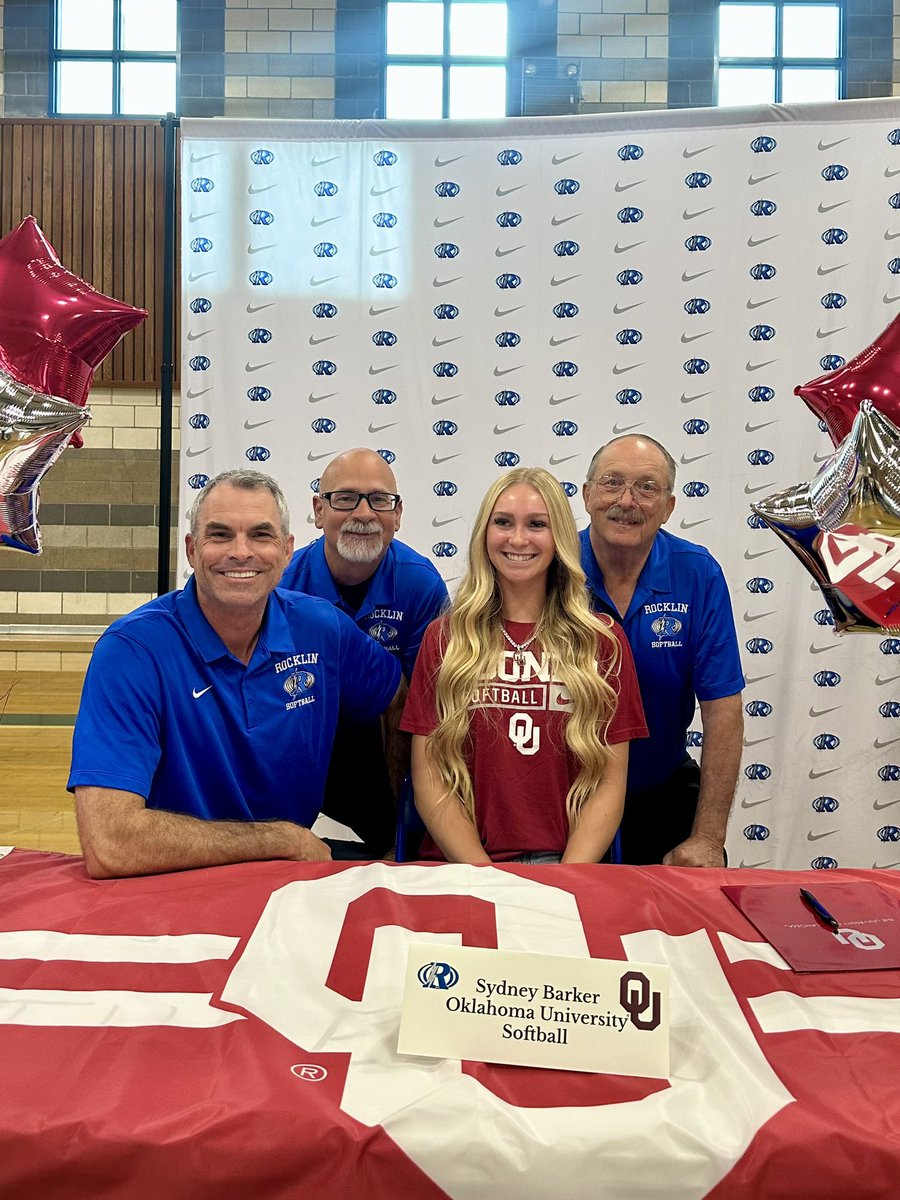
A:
<point x="34" y="431"/>
<point x="844" y="525"/>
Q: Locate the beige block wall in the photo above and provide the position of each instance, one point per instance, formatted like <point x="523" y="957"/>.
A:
<point x="275" y="58"/>
<point x="1" y="59"/>
<point x="622" y="47"/>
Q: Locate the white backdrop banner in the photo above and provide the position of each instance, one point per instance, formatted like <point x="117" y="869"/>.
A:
<point x="465" y="297"/>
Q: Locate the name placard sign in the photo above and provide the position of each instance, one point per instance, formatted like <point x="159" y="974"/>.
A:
<point x="538" y="1010"/>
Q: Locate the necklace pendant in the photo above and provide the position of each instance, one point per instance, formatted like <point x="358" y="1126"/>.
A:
<point x="519" y="658"/>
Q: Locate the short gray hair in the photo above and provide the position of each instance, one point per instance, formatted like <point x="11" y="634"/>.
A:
<point x="247" y="481"/>
<point x="644" y="437"/>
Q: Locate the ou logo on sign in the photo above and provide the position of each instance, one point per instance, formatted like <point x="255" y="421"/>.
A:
<point x="341" y="991"/>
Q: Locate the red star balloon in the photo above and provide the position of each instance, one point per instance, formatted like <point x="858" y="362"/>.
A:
<point x="844" y="525"/>
<point x="873" y="375"/>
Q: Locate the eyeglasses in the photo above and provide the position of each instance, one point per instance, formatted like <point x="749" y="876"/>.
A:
<point x="643" y="490"/>
<point x="348" y="501"/>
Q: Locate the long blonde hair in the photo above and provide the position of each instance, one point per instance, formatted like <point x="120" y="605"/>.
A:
<point x="568" y="632"/>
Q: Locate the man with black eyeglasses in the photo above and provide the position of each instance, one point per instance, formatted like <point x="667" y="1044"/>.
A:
<point x="671" y="598"/>
<point x="392" y="593"/>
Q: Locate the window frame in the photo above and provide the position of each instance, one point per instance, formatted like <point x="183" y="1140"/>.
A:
<point x="116" y="57"/>
<point x="446" y="60"/>
<point x="780" y="62"/>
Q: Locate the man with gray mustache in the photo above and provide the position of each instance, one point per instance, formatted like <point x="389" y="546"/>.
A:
<point x="671" y="598"/>
<point x="392" y="593"/>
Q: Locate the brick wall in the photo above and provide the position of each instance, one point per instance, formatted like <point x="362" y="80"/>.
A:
<point x="623" y="48"/>
<point x="279" y="58"/>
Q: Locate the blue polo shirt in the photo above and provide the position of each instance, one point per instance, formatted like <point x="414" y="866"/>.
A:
<point x="404" y="596"/>
<point x="681" y="631"/>
<point x="169" y="713"/>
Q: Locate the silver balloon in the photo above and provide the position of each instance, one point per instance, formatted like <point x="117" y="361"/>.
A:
<point x="34" y="431"/>
<point x="844" y="525"/>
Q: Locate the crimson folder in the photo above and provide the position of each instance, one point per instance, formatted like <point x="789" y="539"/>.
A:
<point x="868" y="938"/>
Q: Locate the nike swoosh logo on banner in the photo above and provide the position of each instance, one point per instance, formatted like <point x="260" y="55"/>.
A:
<point x="509" y="191"/>
<point x="444" y="399"/>
<point x="618" y="309"/>
<point x="195" y="158"/>
<point x="880" y="743"/>
<point x="559" y="159"/>
<point x="555" y="341"/>
<point x="693" y="337"/>
<point x="255" y="308"/>
<point x="554" y="461"/>
<point x="759" y="241"/>
<point x="889" y="174"/>
<point x="257" y="424"/>
<point x="822" y="649"/>
<point x="691" y="524"/>
<point x="329" y="337"/>
<point x="824" y="333"/>
<point x="500" y="430"/>
<point x="879" y="804"/>
<point x="374" y="191"/>
<point x="814" y="837"/>
<point x="748" y="490"/>
<point x="749" y="555"/>
<point x="373" y="253"/>
<point x="751" y="304"/>
<point x="879" y="682"/>
<point x="375" y="311"/>
<point x="554" y="282"/>
<point x="692" y="153"/>
<point x="439" y="224"/>
<point x="193" y="337"/>
<point x="884" y="866"/>
<point x="753" y="429"/>
<point x="617" y="370"/>
<point x="320" y="162"/>
<point x="819" y="774"/>
<point x="759" y="366"/>
<point x="254" y="191"/>
<point x="325" y="396"/>
<point x="248" y="367"/>
<point x="202" y="692"/>
<point x="755" y="803"/>
<point x="259" y="249"/>
<point x="889" y="237"/>
<point x="379" y="428"/>
<point x="753" y="180"/>
<point x="195" y="275"/>
<point x="445" y="162"/>
<point x="563" y="399"/>
<point x="831" y="145"/>
<point x="688" y="276"/>
<point x="886" y="299"/>
<point x="201" y="216"/>
<point x="692" y="458"/>
<point x="820" y="712"/>
<point x="313" y="282"/>
<point x="617" y="249"/>
<point x="757" y="741"/>
<point x="381" y="370"/>
<point x="498" y="371"/>
<point x="620" y="429"/>
<point x="443" y="282"/>
<point x="192" y="395"/>
<point x="441" y="458"/>
<point x="759" y="616"/>
<point x="690" y="399"/>
<point x="317" y="221"/>
<point x="763" y="863"/>
<point x="195" y="453"/>
<point x="504" y="312"/>
<point x="447" y="521"/>
<point x="313" y="457"/>
<point x="498" y="253"/>
<point x="563" y="220"/>
<point x="624" y="187"/>
<point x="824" y="208"/>
<point x="828" y="270"/>
<point x="689" y="216"/>
<point x="444" y="341"/>
<point x="751" y="679"/>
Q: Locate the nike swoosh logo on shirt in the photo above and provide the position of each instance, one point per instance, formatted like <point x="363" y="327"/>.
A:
<point x="197" y="694"/>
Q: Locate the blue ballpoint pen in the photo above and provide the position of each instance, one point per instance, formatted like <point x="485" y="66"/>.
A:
<point x="820" y="910"/>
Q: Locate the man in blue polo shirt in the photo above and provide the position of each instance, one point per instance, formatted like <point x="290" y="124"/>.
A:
<point x="392" y="593"/>
<point x="207" y="716"/>
<point x="671" y="598"/>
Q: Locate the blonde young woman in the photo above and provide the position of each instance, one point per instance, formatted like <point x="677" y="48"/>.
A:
<point x="522" y="702"/>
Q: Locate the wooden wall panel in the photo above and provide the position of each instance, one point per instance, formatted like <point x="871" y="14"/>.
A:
<point x="96" y="189"/>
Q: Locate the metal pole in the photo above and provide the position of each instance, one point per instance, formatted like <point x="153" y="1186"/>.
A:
<point x="167" y="367"/>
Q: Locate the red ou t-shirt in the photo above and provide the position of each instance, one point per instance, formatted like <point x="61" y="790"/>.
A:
<point x="520" y="765"/>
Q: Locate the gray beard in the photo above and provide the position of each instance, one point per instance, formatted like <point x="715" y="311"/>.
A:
<point x="357" y="549"/>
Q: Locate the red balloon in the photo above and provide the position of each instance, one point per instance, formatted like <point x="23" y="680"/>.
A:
<point x="54" y="327"/>
<point x="873" y="375"/>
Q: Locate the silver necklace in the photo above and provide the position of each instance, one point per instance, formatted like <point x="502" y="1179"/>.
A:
<point x="518" y="647"/>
